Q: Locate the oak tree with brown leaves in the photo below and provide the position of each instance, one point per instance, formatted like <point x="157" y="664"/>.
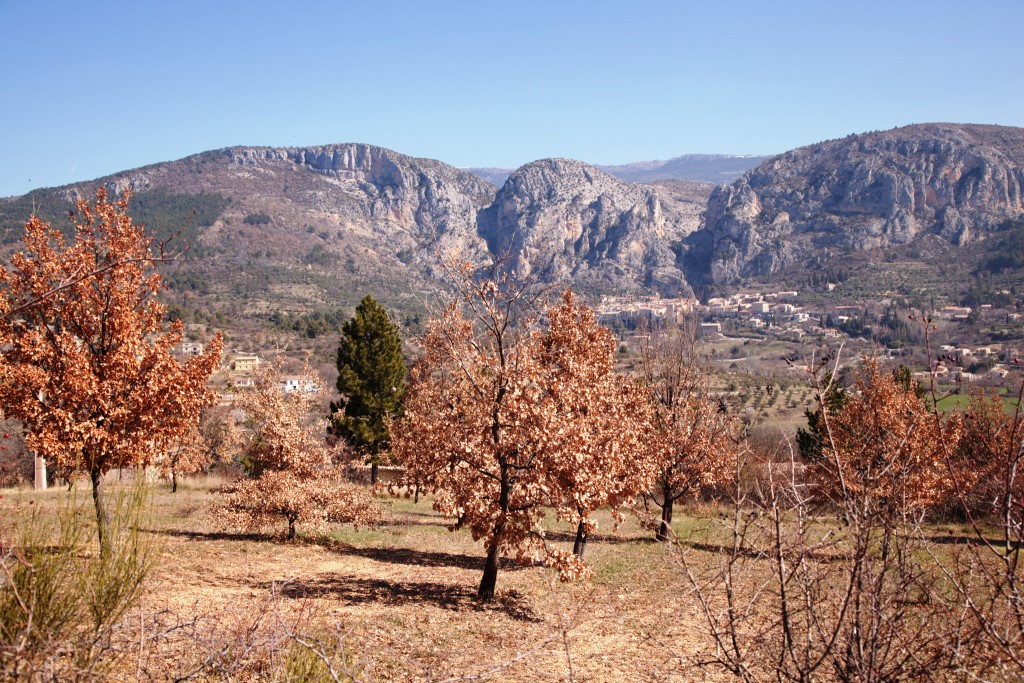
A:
<point x="600" y="419"/>
<point x="693" y="442"/>
<point x="984" y="461"/>
<point x="296" y="475"/>
<point x="219" y="430"/>
<point x="884" y="447"/>
<point x="87" y="365"/>
<point x="188" y="454"/>
<point x="499" y="421"/>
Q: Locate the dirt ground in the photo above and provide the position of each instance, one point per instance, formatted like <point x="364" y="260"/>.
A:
<point x="403" y="593"/>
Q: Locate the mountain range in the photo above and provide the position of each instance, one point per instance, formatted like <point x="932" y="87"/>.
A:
<point x="274" y="231"/>
<point x="708" y="168"/>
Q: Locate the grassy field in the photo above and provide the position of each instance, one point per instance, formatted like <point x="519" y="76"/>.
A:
<point x="405" y="593"/>
<point x="948" y="404"/>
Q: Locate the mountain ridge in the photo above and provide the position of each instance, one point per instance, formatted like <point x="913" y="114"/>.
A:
<point x="714" y="168"/>
<point x="286" y="230"/>
<point x="566" y="219"/>
<point x="960" y="182"/>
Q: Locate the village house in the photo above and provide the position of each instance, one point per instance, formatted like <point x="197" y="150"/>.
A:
<point x="954" y="312"/>
<point x="245" y="362"/>
<point x="191" y="349"/>
<point x="292" y="383"/>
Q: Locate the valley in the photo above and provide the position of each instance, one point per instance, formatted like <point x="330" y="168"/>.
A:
<point x="278" y="245"/>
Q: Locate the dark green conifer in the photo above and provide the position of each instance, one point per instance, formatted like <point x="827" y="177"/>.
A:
<point x="371" y="381"/>
<point x="809" y="441"/>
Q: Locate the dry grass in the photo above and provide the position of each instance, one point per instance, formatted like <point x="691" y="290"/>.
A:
<point x="402" y="596"/>
<point x="405" y="590"/>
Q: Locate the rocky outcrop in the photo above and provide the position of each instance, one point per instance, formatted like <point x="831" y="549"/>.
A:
<point x="864" y="191"/>
<point x="565" y="220"/>
<point x="430" y="200"/>
<point x="310" y="227"/>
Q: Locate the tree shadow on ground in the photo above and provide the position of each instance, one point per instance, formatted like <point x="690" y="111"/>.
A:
<point x="610" y="539"/>
<point x="405" y="556"/>
<point x="429" y="515"/>
<point x="415" y="558"/>
<point x="427" y="520"/>
<point x="757" y="553"/>
<point x="355" y="591"/>
<point x="215" y="535"/>
<point x="968" y="540"/>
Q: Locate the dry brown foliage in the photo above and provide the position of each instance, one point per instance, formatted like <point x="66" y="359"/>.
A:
<point x="598" y="424"/>
<point x="884" y="448"/>
<point x="295" y="473"/>
<point x="87" y="364"/>
<point x="188" y="454"/>
<point x="504" y="418"/>
<point x="694" y="441"/>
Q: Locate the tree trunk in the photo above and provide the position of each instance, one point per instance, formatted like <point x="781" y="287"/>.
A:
<point x="97" y="479"/>
<point x="291" y="528"/>
<point x="416" y="497"/>
<point x="665" y="530"/>
<point x="490" y="578"/>
<point x="174" y="481"/>
<point x="580" y="546"/>
<point x="373" y="473"/>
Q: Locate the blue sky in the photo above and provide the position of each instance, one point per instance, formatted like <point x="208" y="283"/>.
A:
<point x="90" y="88"/>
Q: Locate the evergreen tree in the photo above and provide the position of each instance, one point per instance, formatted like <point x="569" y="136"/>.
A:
<point x="809" y="441"/>
<point x="371" y="381"/>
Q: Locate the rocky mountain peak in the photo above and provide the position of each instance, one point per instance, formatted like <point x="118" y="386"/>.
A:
<point x="864" y="191"/>
<point x="541" y="179"/>
<point x="566" y="219"/>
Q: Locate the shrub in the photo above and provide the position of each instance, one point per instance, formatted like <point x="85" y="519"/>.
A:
<point x="256" y="219"/>
<point x="60" y="607"/>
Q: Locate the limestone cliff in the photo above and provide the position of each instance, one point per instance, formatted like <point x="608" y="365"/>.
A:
<point x="863" y="191"/>
<point x="565" y="220"/>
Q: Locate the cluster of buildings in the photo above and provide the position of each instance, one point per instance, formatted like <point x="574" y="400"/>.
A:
<point x="238" y="373"/>
<point x="642" y="311"/>
<point x="780" y="315"/>
<point x="757" y="311"/>
<point x="995" y="360"/>
<point x="755" y="303"/>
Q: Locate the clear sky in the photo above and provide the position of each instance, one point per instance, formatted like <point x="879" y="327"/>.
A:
<point x="90" y="88"/>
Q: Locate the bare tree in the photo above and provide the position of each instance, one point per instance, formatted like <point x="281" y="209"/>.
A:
<point x="799" y="598"/>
